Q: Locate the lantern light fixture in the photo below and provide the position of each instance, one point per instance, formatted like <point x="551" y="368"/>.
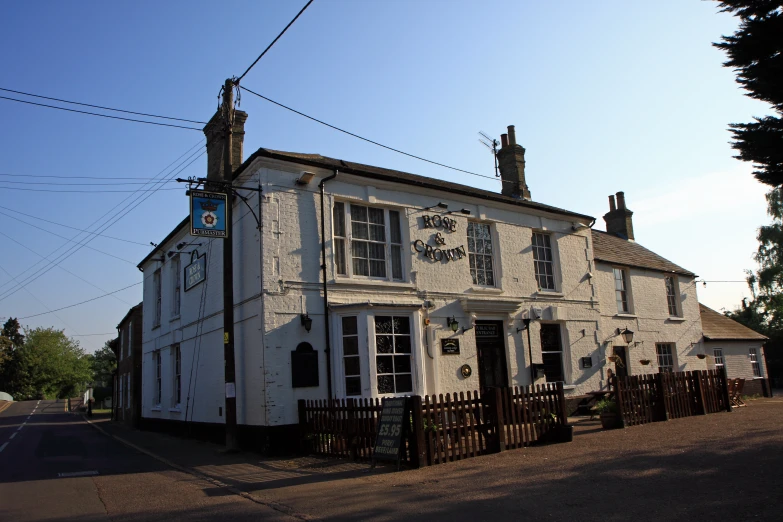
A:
<point x="626" y="334"/>
<point x="453" y="323"/>
<point x="307" y="321"/>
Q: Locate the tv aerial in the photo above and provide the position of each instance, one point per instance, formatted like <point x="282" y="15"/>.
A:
<point x="492" y="145"/>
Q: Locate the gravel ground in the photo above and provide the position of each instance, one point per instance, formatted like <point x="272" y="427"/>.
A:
<point x="715" y="467"/>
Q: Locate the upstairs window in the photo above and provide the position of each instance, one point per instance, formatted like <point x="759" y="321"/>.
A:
<point x="671" y="296"/>
<point x="665" y="353"/>
<point x="158" y="379"/>
<point x="542" y="259"/>
<point x="157" y="297"/>
<point x="754" y="362"/>
<point x="480" y="254"/>
<point x="177" y="364"/>
<point x="374" y="242"/>
<point x="176" y="279"/>
<point x="621" y="290"/>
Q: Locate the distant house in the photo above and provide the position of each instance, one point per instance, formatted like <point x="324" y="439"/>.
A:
<point x="735" y="347"/>
<point x="127" y="382"/>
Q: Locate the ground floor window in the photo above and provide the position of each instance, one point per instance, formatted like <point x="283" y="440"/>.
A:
<point x="717" y="353"/>
<point x="158" y="381"/>
<point x="377" y="354"/>
<point x="665" y="353"/>
<point x="552" y="352"/>
<point x="121" y="391"/>
<point x="754" y="361"/>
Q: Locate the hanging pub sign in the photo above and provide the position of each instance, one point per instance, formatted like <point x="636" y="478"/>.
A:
<point x="196" y="271"/>
<point x="208" y="214"/>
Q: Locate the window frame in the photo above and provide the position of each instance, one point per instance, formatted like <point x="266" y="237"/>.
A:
<point x="345" y="269"/>
<point x="755" y="363"/>
<point x="720" y="361"/>
<point x="552" y="261"/>
<point x="157" y="296"/>
<point x="368" y="351"/>
<point x="472" y="255"/>
<point x="626" y="279"/>
<point x="562" y="350"/>
<point x="128" y="391"/>
<point x="176" y="279"/>
<point x="672" y="355"/>
<point x="158" y="383"/>
<point x="176" y="367"/>
<point x="672" y="300"/>
<point x="121" y="393"/>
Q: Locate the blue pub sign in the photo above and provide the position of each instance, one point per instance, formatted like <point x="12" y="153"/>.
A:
<point x="208" y="214"/>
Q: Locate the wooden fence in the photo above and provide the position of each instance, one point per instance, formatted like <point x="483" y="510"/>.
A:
<point x="443" y="428"/>
<point x="642" y="399"/>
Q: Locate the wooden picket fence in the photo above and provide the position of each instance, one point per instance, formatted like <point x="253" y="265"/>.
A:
<point x="642" y="399"/>
<point x="442" y="428"/>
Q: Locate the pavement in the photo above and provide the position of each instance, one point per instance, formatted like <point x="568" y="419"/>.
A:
<point x="721" y="466"/>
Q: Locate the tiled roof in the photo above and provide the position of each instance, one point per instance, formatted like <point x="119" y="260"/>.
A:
<point x="718" y="327"/>
<point x="613" y="249"/>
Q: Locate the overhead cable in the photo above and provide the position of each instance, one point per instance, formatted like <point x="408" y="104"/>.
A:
<point x="82" y="302"/>
<point x="101" y="107"/>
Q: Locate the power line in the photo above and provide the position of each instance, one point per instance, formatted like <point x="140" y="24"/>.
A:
<point x="56" y="183"/>
<point x="97" y="114"/>
<point x="72" y="228"/>
<point x="82" y="302"/>
<point x="369" y="140"/>
<point x="77" y="191"/>
<point x="100" y="107"/>
<point x="66" y="177"/>
<point x="91" y="335"/>
<point x="118" y="214"/>
<point x="236" y="82"/>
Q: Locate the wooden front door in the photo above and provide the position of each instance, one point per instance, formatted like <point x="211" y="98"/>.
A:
<point x="491" y="346"/>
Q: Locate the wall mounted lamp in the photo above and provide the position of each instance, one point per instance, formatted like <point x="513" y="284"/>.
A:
<point x="626" y="334"/>
<point x="525" y="323"/>
<point x="453" y="323"/>
<point x="305" y="178"/>
<point x="307" y="322"/>
<point x="183" y="244"/>
<point x="439" y="204"/>
<point x="461" y="211"/>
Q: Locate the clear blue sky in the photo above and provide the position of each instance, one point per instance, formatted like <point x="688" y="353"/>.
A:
<point x="605" y="96"/>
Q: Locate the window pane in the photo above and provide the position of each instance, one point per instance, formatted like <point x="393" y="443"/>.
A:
<point x="339" y="219"/>
<point x="402" y="364"/>
<point x="402" y="344"/>
<point x="360" y="249"/>
<point x="553" y="366"/>
<point x="353" y="386"/>
<point x="350" y="325"/>
<point x="394" y="227"/>
<point x="401" y="325"/>
<point x="359" y="230"/>
<point x="384" y="343"/>
<point x="350" y="346"/>
<point x="396" y="259"/>
<point x="376" y="216"/>
<point x="377" y="268"/>
<point x="385" y="384"/>
<point x="339" y="256"/>
<point x="404" y="383"/>
<point x="361" y="267"/>
<point x="383" y="324"/>
<point x="377" y="233"/>
<point x="358" y="213"/>
<point x="384" y="364"/>
<point x="351" y="365"/>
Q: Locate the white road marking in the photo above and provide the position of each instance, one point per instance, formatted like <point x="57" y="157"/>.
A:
<point x="37" y="403"/>
<point x="12" y="436"/>
<point x="77" y="473"/>
<point x="3" y="446"/>
<point x="19" y="428"/>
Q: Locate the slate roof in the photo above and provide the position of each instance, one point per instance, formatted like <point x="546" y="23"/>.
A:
<point x="718" y="327"/>
<point x="615" y="250"/>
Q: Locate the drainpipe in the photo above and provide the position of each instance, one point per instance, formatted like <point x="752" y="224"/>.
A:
<point x="328" y="349"/>
<point x="262" y="297"/>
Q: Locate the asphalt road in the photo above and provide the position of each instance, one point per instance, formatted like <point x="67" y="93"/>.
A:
<point x="54" y="466"/>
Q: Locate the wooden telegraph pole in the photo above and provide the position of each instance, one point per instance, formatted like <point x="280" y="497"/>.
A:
<point x="228" y="270"/>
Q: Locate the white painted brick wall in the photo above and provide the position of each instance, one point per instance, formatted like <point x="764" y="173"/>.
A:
<point x="736" y="358"/>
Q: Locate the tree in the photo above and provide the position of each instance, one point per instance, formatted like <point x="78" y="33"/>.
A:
<point x="755" y="52"/>
<point x="104" y="362"/>
<point x="10" y="339"/>
<point x="48" y="365"/>
<point x="12" y="332"/>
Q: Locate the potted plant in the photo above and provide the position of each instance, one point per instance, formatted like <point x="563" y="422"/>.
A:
<point x="610" y="414"/>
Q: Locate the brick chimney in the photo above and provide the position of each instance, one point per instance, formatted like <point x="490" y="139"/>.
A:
<point x="214" y="133"/>
<point x="511" y="163"/>
<point x="619" y="220"/>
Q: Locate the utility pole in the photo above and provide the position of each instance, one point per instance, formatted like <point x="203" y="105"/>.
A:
<point x="228" y="270"/>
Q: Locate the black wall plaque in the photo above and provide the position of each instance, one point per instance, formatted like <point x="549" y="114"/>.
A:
<point x="487" y="330"/>
<point x="304" y="366"/>
<point x="392" y="427"/>
<point x="449" y="346"/>
<point x="587" y="362"/>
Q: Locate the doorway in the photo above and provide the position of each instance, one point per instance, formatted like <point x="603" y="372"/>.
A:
<point x="621" y="361"/>
<point x="491" y="346"/>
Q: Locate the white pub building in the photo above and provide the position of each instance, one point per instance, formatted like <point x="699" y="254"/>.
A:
<point x="359" y="281"/>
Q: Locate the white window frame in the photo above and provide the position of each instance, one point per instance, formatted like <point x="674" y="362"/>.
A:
<point x="157" y="297"/>
<point x="552" y="261"/>
<point x="717" y="354"/>
<point x="176" y="290"/>
<point x="672" y="301"/>
<point x="626" y="279"/>
<point x="492" y="255"/>
<point x="367" y="351"/>
<point x="176" y="370"/>
<point x="389" y="246"/>
<point x="563" y="355"/>
<point x="755" y="363"/>
<point x="158" y="382"/>
<point x="671" y="365"/>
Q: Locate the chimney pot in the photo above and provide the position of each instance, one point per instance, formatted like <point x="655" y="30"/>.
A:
<point x="503" y="140"/>
<point x="612" y="206"/>
<point x="512" y="136"/>
<point x="621" y="200"/>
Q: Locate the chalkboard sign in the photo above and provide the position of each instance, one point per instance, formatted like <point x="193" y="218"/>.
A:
<point x="449" y="346"/>
<point x="392" y="427"/>
<point x="304" y="366"/>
